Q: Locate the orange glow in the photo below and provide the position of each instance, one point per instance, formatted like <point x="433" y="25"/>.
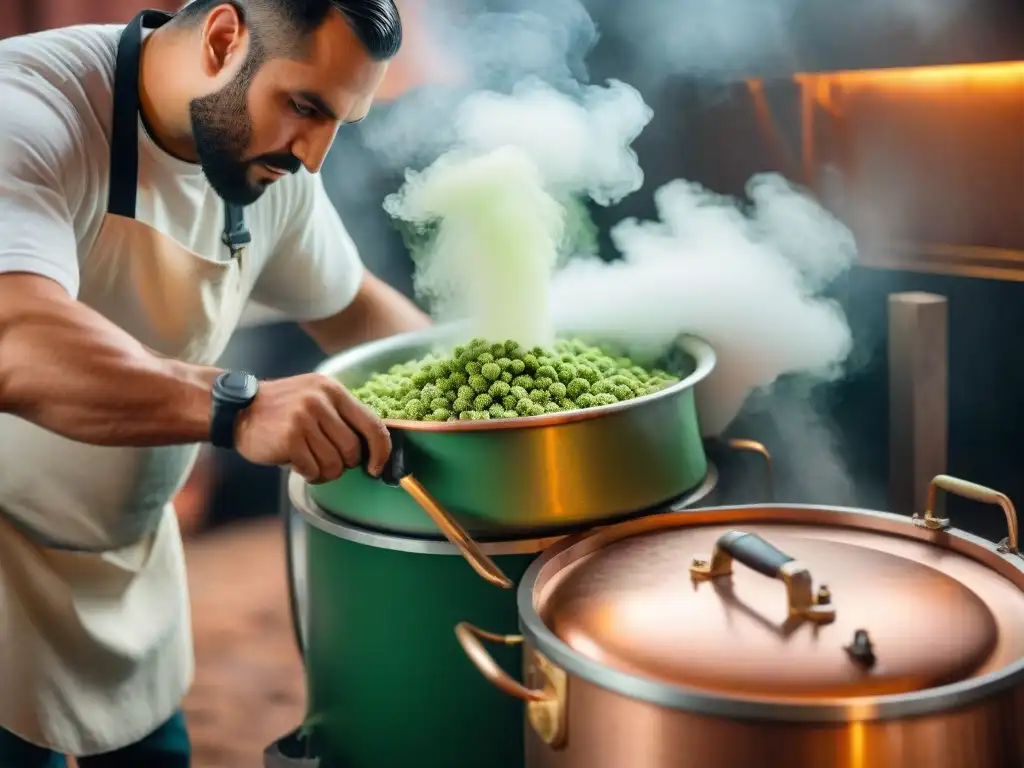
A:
<point x="994" y="75"/>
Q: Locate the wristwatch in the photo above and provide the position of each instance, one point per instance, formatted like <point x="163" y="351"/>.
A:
<point x="233" y="392"/>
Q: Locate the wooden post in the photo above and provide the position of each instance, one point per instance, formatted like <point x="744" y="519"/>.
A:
<point x="918" y="396"/>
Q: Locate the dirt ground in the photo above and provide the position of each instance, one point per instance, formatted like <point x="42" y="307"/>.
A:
<point x="249" y="687"/>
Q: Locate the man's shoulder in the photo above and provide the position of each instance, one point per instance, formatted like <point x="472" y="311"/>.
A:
<point x="73" y="65"/>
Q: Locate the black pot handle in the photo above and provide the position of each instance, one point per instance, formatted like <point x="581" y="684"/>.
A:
<point x="291" y="751"/>
<point x="394" y="468"/>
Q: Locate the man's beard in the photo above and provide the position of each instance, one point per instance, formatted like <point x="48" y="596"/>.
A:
<point x="222" y="130"/>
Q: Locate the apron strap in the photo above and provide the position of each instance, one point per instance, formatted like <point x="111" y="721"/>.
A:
<point x="124" y="134"/>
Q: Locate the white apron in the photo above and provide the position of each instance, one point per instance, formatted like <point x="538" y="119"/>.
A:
<point x="95" y="632"/>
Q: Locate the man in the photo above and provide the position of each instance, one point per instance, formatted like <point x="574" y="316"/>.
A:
<point x="153" y="178"/>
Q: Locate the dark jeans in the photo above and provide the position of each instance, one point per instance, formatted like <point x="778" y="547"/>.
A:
<point x="167" y="747"/>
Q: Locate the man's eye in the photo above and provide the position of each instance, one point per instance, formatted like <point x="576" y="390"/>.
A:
<point x="302" y="109"/>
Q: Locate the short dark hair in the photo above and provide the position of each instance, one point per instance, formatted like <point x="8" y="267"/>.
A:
<point x="277" y="25"/>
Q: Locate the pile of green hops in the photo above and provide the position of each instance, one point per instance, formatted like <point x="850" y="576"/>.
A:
<point x="484" y="380"/>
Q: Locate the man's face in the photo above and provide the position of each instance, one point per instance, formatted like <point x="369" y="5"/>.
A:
<point x="272" y="118"/>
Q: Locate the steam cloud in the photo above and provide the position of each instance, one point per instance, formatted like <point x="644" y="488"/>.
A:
<point x="744" y="280"/>
<point x="748" y="276"/>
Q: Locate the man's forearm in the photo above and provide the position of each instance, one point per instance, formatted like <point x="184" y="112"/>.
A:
<point x="378" y="311"/>
<point x="71" y="371"/>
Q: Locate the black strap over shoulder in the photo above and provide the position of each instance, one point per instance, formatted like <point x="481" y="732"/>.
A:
<point x="124" y="134"/>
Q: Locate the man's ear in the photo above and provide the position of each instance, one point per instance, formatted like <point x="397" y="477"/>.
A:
<point x="225" y="40"/>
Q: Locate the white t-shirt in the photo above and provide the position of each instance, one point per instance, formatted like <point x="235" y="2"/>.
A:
<point x="56" y="103"/>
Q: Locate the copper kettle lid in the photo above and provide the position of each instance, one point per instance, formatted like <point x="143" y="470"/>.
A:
<point x="770" y="611"/>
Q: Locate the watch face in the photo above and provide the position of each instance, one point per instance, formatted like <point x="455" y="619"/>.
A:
<point x="238" y="385"/>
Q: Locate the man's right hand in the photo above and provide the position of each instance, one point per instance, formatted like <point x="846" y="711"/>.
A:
<point x="312" y="423"/>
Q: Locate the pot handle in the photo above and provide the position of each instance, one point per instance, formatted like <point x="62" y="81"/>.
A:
<point x="758" y="555"/>
<point x="974" y="492"/>
<point x="752" y="446"/>
<point x="545" y="709"/>
<point x="396" y="473"/>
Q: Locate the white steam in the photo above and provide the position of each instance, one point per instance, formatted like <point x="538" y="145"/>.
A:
<point x="744" y="280"/>
<point x="495" y="245"/>
<point x="744" y="276"/>
<point x="582" y="145"/>
<point x="495" y="199"/>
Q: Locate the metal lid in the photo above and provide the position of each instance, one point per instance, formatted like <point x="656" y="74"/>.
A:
<point x="731" y="611"/>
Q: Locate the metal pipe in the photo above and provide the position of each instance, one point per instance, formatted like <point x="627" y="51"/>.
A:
<point x="918" y="397"/>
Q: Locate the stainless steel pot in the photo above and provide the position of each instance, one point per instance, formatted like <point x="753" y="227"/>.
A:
<point x="528" y="476"/>
<point x="647" y="645"/>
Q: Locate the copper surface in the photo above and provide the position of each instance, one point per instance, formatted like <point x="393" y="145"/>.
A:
<point x="632" y="606"/>
<point x="974" y="723"/>
<point x="607" y="730"/>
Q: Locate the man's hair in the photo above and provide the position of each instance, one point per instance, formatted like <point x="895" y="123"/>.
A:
<point x="279" y="27"/>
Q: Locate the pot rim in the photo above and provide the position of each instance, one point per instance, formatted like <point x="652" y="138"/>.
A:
<point x="300" y="502"/>
<point x="825" y="710"/>
<point x="702" y="353"/>
<point x="311" y="512"/>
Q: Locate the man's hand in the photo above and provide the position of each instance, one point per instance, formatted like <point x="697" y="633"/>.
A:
<point x="314" y="424"/>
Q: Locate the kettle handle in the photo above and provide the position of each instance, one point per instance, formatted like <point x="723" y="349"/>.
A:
<point x="761" y="556"/>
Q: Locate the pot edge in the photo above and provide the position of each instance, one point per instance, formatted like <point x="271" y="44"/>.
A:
<point x="702" y="353"/>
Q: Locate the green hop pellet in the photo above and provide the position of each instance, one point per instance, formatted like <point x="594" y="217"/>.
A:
<point x="577" y="387"/>
<point x="547" y="370"/>
<point x="558" y="390"/>
<point x="499" y="389"/>
<point x="482" y="401"/>
<point x="479" y="383"/>
<point x="622" y="392"/>
<point x="490" y="371"/>
<point x="517" y="366"/>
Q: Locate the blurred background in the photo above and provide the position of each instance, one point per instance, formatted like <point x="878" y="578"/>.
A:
<point x="905" y="117"/>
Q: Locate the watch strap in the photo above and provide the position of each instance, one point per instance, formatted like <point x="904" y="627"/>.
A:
<point x="222" y="423"/>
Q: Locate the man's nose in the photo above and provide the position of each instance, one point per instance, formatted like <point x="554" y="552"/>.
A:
<point x="312" y="146"/>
